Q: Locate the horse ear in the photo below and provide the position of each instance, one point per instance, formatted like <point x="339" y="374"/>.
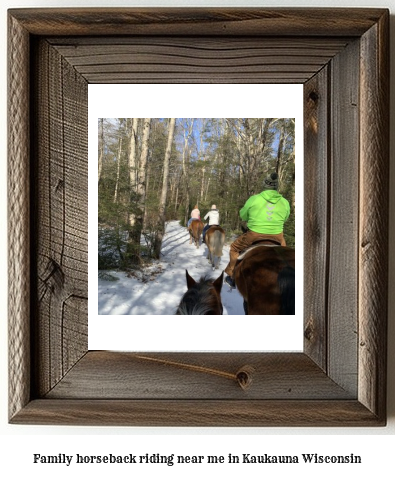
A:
<point x="190" y="281"/>
<point x="218" y="283"/>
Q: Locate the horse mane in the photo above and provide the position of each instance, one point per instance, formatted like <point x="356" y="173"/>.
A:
<point x="200" y="299"/>
<point x="198" y="309"/>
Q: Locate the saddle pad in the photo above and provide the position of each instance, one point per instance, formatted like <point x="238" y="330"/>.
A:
<point x="242" y="254"/>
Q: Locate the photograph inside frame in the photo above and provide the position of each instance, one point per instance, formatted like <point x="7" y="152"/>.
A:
<point x="196" y="216"/>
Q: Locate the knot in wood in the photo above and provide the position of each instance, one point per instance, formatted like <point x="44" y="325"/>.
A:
<point x="244" y="376"/>
<point x="313" y="96"/>
<point x="309" y="331"/>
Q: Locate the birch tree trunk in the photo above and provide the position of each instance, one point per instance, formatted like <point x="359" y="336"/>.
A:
<point x="118" y="170"/>
<point x="187" y="135"/>
<point x="146" y="212"/>
<point x="162" y="203"/>
<point x="133" y="154"/>
<point x="202" y="157"/>
<point x="142" y="179"/>
<point x="133" y="248"/>
<point x="132" y="172"/>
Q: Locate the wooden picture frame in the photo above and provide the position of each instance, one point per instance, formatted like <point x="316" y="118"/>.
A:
<point x="342" y="58"/>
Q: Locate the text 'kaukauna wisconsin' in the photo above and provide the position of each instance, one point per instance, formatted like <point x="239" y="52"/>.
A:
<point x="173" y="459"/>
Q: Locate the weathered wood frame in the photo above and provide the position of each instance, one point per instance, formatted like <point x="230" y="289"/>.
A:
<point x="342" y="57"/>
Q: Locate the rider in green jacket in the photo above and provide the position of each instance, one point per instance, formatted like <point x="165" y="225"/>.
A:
<point x="265" y="214"/>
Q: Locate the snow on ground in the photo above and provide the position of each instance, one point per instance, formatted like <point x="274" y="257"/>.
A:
<point x="160" y="292"/>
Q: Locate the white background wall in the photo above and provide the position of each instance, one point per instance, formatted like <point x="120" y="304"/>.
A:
<point x="376" y="445"/>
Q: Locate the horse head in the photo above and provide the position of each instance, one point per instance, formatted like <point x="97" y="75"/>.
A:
<point x="202" y="297"/>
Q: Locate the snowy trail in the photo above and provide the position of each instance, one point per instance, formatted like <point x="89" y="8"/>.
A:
<point x="161" y="293"/>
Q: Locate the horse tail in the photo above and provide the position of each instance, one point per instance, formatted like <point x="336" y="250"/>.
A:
<point x="218" y="240"/>
<point x="286" y="283"/>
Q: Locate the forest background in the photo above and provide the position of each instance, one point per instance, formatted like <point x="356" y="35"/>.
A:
<point x="153" y="170"/>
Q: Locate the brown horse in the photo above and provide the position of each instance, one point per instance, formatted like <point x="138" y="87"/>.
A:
<point x="195" y="231"/>
<point x="265" y="277"/>
<point x="215" y="239"/>
<point x="201" y="298"/>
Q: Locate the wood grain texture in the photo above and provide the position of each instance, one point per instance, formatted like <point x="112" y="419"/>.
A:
<point x="61" y="216"/>
<point x="316" y="206"/>
<point x="193" y="60"/>
<point x="196" y="376"/>
<point x="343" y="219"/>
<point x="18" y="218"/>
<point x="373" y="227"/>
<point x="340" y="377"/>
<point x="202" y="413"/>
<point x="259" y="22"/>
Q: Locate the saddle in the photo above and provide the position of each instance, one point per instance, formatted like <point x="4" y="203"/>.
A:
<point x="259" y="243"/>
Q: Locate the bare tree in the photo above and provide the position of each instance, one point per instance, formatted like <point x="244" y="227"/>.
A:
<point x="280" y="148"/>
<point x="188" y="130"/>
<point x="132" y="170"/>
<point x="163" y="198"/>
<point x="133" y="248"/>
<point x="133" y="153"/>
<point x="118" y="159"/>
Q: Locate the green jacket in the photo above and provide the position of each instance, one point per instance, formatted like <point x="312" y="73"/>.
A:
<point x="266" y="212"/>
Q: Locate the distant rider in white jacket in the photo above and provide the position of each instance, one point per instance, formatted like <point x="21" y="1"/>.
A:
<point x="213" y="219"/>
